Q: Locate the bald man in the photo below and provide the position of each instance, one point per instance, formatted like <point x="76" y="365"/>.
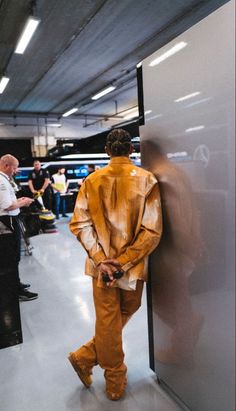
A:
<point x="9" y="227"/>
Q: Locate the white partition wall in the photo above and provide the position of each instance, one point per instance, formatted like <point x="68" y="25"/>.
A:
<point x="188" y="141"/>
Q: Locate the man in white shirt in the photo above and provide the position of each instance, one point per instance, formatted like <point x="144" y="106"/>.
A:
<point x="60" y="185"/>
<point x="9" y="227"/>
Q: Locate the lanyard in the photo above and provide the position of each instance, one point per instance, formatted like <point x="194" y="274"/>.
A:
<point x="5" y="176"/>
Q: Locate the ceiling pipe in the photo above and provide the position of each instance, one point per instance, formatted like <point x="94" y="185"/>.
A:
<point x="118" y="82"/>
<point x="38" y="116"/>
<point x="54" y="116"/>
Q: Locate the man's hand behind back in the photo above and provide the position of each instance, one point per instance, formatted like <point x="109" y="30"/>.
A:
<point x="108" y="267"/>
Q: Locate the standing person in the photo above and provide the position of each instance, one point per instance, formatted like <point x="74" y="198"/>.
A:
<point x="60" y="185"/>
<point x="91" y="168"/>
<point x="39" y="182"/>
<point x="118" y="220"/>
<point x="9" y="228"/>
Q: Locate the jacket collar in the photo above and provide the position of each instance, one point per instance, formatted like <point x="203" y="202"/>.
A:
<point x="5" y="175"/>
<point x="120" y="160"/>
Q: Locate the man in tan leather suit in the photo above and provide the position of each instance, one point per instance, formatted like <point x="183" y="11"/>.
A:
<point x="118" y="220"/>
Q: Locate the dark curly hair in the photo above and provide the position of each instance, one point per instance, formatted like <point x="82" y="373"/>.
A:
<point x="119" y="142"/>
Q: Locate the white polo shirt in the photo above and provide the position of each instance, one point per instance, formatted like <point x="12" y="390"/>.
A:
<point x="59" y="181"/>
<point x="7" y="196"/>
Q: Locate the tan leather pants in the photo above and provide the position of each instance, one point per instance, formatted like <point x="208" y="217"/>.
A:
<point x="113" y="307"/>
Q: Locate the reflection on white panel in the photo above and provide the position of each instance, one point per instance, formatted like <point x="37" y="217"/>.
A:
<point x="188" y="142"/>
<point x="188" y="96"/>
<point x="195" y="128"/>
<point x="168" y="53"/>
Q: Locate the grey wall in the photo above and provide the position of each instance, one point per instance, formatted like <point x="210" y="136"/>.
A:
<point x="189" y="145"/>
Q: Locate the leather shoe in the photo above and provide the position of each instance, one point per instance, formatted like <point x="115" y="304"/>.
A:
<point x="25" y="295"/>
<point x="24" y="286"/>
<point x="82" y="371"/>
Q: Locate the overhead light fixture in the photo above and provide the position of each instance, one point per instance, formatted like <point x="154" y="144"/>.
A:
<point x="3" y="83"/>
<point x="139" y="64"/>
<point x="196" y="93"/>
<point x="54" y="125"/>
<point x="28" y="31"/>
<point x="168" y="53"/>
<point x="148" y="112"/>
<point x="131" y="115"/>
<point x="68" y="113"/>
<point x="103" y="92"/>
<point x="153" y="117"/>
<point x="129" y="110"/>
<point x="190" y="129"/>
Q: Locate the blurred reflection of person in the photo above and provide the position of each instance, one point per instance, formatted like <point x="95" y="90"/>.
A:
<point x="174" y="260"/>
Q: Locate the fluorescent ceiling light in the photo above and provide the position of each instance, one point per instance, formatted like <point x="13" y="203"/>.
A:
<point x="103" y="92"/>
<point x="153" y="117"/>
<point x="88" y="156"/>
<point x="139" y="64"/>
<point x="68" y="113"/>
<point x="168" y="53"/>
<point x="131" y="115"/>
<point x="103" y="156"/>
<point x="130" y="110"/>
<point x="3" y="83"/>
<point x="188" y="130"/>
<point x="97" y="155"/>
<point x="148" y="112"/>
<point x="196" y="93"/>
<point x="29" y="29"/>
<point x="54" y="125"/>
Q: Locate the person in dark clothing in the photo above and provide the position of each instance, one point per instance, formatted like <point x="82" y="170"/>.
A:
<point x="39" y="182"/>
<point x="91" y="169"/>
<point x="10" y="235"/>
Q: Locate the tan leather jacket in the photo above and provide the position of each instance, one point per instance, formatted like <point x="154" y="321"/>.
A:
<point x="118" y="215"/>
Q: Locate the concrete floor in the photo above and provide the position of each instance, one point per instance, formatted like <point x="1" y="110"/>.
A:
<point x="36" y="376"/>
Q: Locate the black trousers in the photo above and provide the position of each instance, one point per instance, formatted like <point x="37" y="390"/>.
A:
<point x="10" y="322"/>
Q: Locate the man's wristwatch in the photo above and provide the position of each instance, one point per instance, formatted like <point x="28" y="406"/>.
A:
<point x="116" y="275"/>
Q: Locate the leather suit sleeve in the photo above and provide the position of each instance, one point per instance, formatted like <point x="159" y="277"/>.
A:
<point x="81" y="226"/>
<point x="149" y="234"/>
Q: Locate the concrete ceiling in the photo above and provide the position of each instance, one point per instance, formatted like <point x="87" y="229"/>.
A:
<point x="82" y="46"/>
